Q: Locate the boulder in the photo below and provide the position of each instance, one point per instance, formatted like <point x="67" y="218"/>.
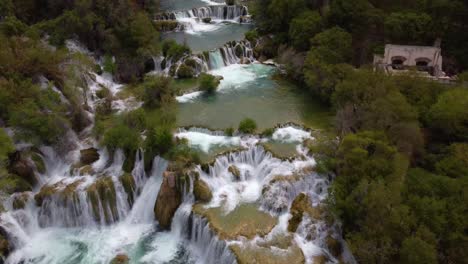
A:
<point x="239" y="51"/>
<point x="149" y="65"/>
<point x="120" y="259"/>
<point x="89" y="156"/>
<point x="334" y="246"/>
<point x="5" y="247"/>
<point x="22" y="166"/>
<point x="201" y="191"/>
<point x="20" y="200"/>
<point x="297" y="211"/>
<point x="235" y="172"/>
<point x="206" y="20"/>
<point x="169" y="199"/>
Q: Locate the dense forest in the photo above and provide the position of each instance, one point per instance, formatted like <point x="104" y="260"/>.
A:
<point x="400" y="162"/>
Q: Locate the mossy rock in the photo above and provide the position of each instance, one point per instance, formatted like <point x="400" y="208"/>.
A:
<point x="185" y="72"/>
<point x="246" y="220"/>
<point x="5" y="247"/>
<point x="168" y="200"/>
<point x="320" y="259"/>
<point x="239" y="51"/>
<point x="166" y="25"/>
<point x="89" y="156"/>
<point x="235" y="172"/>
<point x="206" y="20"/>
<point x="300" y="206"/>
<point x="128" y="183"/>
<point x="20" y="200"/>
<point x="191" y="63"/>
<point x="39" y="162"/>
<point x="102" y="193"/>
<point x="12" y="183"/>
<point x="120" y="259"/>
<point x="46" y="191"/>
<point x="250" y="254"/>
<point x="201" y="191"/>
<point x="66" y="193"/>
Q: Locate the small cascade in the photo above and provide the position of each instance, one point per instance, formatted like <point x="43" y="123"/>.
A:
<point x="215" y="12"/>
<point x="233" y="52"/>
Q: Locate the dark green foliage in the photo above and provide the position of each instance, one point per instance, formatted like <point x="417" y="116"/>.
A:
<point x="247" y="126"/>
<point x="159" y="141"/>
<point x="268" y="132"/>
<point x="229" y="131"/>
<point x="185" y="72"/>
<point x="109" y="64"/>
<point x="449" y="115"/>
<point x="251" y="35"/>
<point x="208" y="83"/>
<point x="409" y="27"/>
<point x="122" y="137"/>
<point x="417" y="251"/>
<point x="6" y="146"/>
<point x="171" y="49"/>
<point x="303" y="28"/>
<point x="156" y="91"/>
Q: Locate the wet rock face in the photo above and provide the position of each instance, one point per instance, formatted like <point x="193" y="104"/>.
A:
<point x="235" y="172"/>
<point x="5" y="247"/>
<point x="299" y="207"/>
<point x="89" y="156"/>
<point x="206" y="20"/>
<point x="169" y="199"/>
<point x="22" y="166"/>
<point x="201" y="191"/>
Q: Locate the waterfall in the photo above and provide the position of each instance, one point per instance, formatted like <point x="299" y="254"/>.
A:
<point x="233" y="52"/>
<point x="215" y="12"/>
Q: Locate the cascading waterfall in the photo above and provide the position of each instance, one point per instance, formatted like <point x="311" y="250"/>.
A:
<point x="216" y="12"/>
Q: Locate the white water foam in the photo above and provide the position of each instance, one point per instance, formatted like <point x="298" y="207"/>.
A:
<point x="205" y="141"/>
<point x="290" y="134"/>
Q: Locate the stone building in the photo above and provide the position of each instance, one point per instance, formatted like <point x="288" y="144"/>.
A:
<point x="426" y="60"/>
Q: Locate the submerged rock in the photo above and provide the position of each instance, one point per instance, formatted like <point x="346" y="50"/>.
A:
<point x="248" y="253"/>
<point x="169" y="199"/>
<point x="201" y="191"/>
<point x="120" y="259"/>
<point x="89" y="156"/>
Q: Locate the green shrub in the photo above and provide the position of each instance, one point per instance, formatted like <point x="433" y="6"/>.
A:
<point x="159" y="141"/>
<point x="191" y="63"/>
<point x="268" y="132"/>
<point x="135" y="119"/>
<point x="183" y="156"/>
<point x="156" y="90"/>
<point x="247" y="126"/>
<point x="109" y="64"/>
<point x="171" y="49"/>
<point x="6" y="146"/>
<point x="251" y="35"/>
<point x="122" y="137"/>
<point x="230" y="2"/>
<point x="229" y="131"/>
<point x="208" y="83"/>
<point x="185" y="72"/>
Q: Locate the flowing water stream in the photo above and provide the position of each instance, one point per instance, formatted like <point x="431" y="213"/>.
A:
<point x="91" y="214"/>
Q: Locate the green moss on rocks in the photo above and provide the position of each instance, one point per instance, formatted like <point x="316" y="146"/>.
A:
<point x="88" y="156"/>
<point x="102" y="192"/>
<point x="247" y="254"/>
<point x="40" y="165"/>
<point x="128" y="183"/>
<point x="20" y="200"/>
<point x="246" y="220"/>
<point x="168" y="200"/>
<point x="334" y="246"/>
<point x="300" y="206"/>
<point x="201" y="191"/>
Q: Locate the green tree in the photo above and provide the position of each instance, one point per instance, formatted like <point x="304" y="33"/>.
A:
<point x="6" y="146"/>
<point x="303" y="28"/>
<point x="208" y="83"/>
<point x="409" y="27"/>
<point x="417" y="251"/>
<point x="449" y="117"/>
<point x="157" y="91"/>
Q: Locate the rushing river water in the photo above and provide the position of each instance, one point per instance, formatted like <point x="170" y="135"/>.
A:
<point x="87" y="215"/>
